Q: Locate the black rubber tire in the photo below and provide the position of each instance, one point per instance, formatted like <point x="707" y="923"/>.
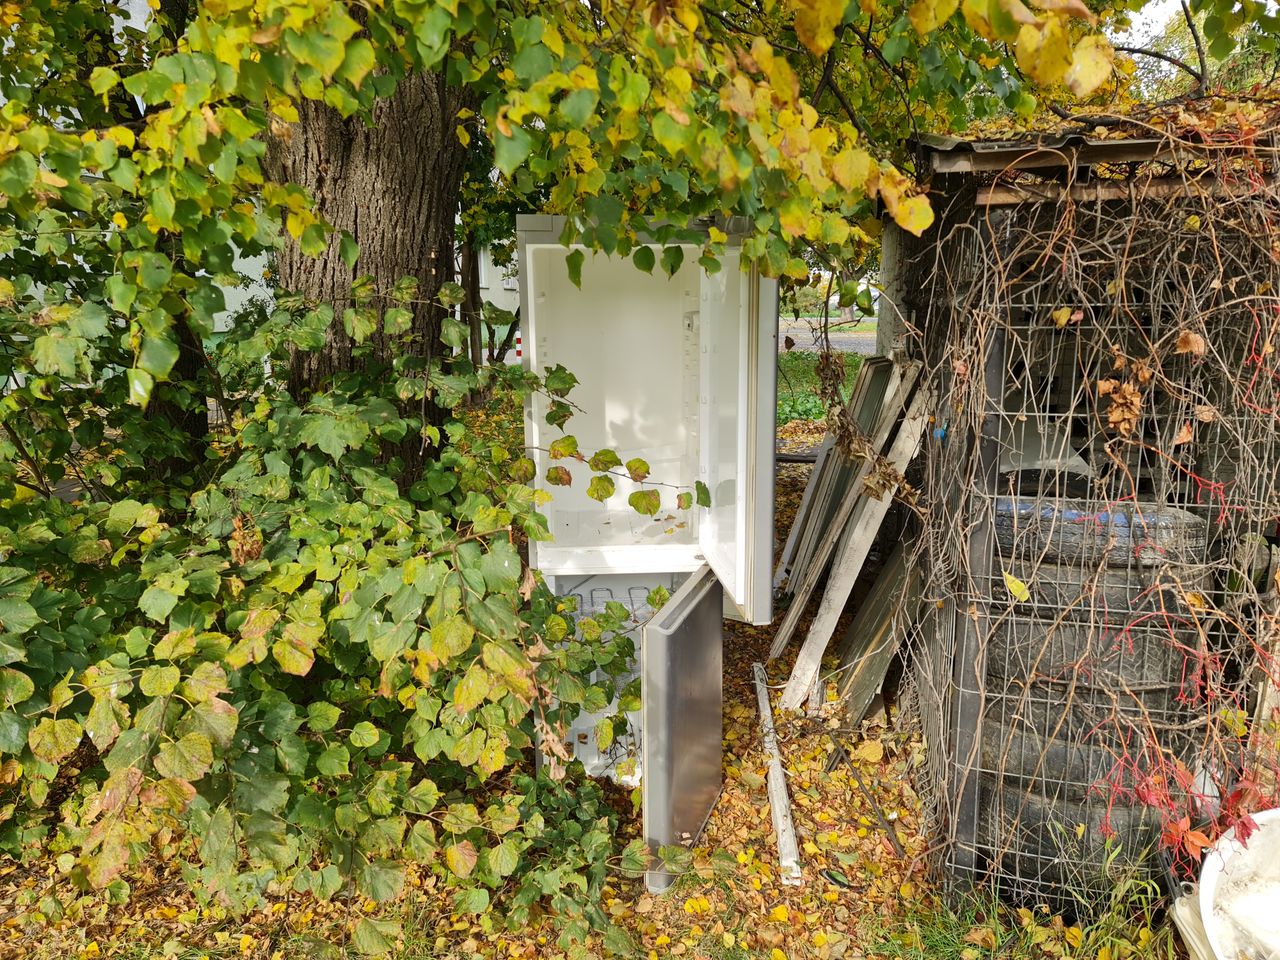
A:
<point x="1153" y="650"/>
<point x="1077" y="711"/>
<point x="1102" y="764"/>
<point x="1094" y="534"/>
<point x="1107" y="594"/>
<point x="1037" y="842"/>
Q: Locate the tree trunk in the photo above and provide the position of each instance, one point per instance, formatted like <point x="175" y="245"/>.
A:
<point x="393" y="184"/>
<point x="472" y="303"/>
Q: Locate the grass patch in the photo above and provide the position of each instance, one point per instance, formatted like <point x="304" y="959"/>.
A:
<point x="798" y="384"/>
<point x="976" y="928"/>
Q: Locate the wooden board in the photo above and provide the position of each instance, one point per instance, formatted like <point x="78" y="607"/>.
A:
<point x="871" y="641"/>
<point x="830" y="533"/>
<point x="877" y="377"/>
<point x="864" y="523"/>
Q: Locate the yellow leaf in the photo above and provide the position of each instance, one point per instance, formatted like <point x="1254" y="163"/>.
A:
<point x="852" y="168"/>
<point x="120" y="220"/>
<point x="1090" y="65"/>
<point x="977" y="13"/>
<point x="1017" y="588"/>
<point x="6" y="290"/>
<point x="914" y="215"/>
<point x="1074" y="936"/>
<point x="780" y="913"/>
<point x="1192" y="223"/>
<point x="816" y="22"/>
<point x="1061" y="316"/>
<point x="907" y="889"/>
<point x="981" y="937"/>
<point x="872" y="751"/>
<point x="1074" y="8"/>
<point x="1044" y="52"/>
<point x="776" y="954"/>
<point x="928" y="15"/>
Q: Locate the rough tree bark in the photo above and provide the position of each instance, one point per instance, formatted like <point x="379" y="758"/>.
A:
<point x="393" y="184"/>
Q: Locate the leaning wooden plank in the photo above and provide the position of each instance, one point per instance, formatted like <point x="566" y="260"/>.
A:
<point x="802" y="513"/>
<point x="863" y="527"/>
<point x="878" y="379"/>
<point x="870" y="643"/>
<point x="779" y="802"/>
<point x="829" y="478"/>
<point x="831" y="532"/>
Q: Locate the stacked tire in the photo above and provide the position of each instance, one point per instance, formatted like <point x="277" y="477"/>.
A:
<point x="1086" y="681"/>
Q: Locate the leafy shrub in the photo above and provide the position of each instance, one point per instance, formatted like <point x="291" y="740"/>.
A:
<point x="306" y="671"/>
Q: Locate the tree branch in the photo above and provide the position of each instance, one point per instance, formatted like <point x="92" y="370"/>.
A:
<point x="828" y="68"/>
<point x="1156" y="54"/>
<point x="848" y="109"/>
<point x="1195" y="35"/>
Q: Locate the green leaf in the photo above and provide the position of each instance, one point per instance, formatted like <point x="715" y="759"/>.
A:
<point x="451" y="294"/>
<point x="15" y="687"/>
<point x="703" y="494"/>
<point x="618" y="942"/>
<point x="140" y="385"/>
<point x="510" y="151"/>
<point x="604" y="460"/>
<point x="646" y="502"/>
<point x="559" y="477"/>
<point x="157" y="356"/>
<point x="451" y="637"/>
<point x="574" y="262"/>
<point x="604" y="734"/>
<point x="559" y="381"/>
<point x="576" y="108"/>
<point x="17" y="174"/>
<point x="157" y="603"/>
<point x="471" y="900"/>
<point x="363" y="734"/>
<point x="644" y="258"/>
<point x="333" y="761"/>
<point x="13" y="732"/>
<point x="504" y="858"/>
<point x="51" y="740"/>
<point x="17" y="616"/>
<point x="380" y="880"/>
<point x="563" y="447"/>
<point x="373" y="938"/>
<point x="684" y="500"/>
<point x="397" y="320"/>
<point x="334" y="435"/>
<point x="322" y="716"/>
<point x="500" y="567"/>
<point x="635" y="857"/>
<point x="157" y="681"/>
<point x="348" y="250"/>
<point x="601" y="488"/>
<point x="154" y="271"/>
<point x="187" y="759"/>
<point x="472" y="689"/>
<point x="54" y="355"/>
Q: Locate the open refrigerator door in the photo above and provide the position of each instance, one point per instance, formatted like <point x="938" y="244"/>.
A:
<point x="680" y="372"/>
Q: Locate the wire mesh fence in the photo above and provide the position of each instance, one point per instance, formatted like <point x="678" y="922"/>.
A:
<point x="1100" y="497"/>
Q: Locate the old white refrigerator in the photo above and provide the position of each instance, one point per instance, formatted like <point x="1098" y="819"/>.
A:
<point x="680" y="371"/>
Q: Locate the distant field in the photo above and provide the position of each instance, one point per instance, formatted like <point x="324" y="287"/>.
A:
<point x="798" y="384"/>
